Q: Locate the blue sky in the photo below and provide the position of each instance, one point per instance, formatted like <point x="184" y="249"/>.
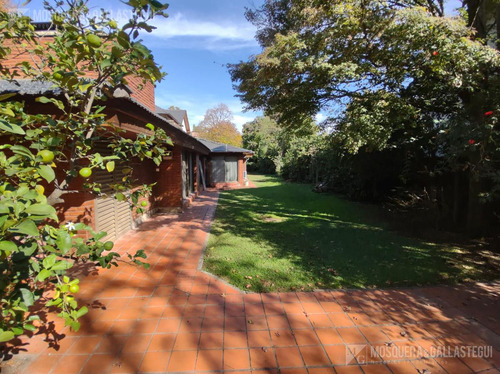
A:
<point x="193" y="45"/>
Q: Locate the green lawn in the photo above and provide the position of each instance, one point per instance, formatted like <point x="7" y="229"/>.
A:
<point x="282" y="236"/>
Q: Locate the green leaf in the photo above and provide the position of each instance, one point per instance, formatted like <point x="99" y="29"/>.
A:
<point x="82" y="250"/>
<point x="135" y="198"/>
<point x="44" y="274"/>
<point x="19" y="149"/>
<point x="8" y="246"/>
<point x="35" y="265"/>
<point x="64" y="242"/>
<point x="116" y="52"/>
<point x="4" y="209"/>
<point x="150" y="126"/>
<point x="62" y="265"/>
<point x="140" y="253"/>
<point x="27" y="296"/>
<point x="49" y="248"/>
<point x="120" y="197"/>
<point x="28" y="248"/>
<point x="7" y="111"/>
<point x="43" y="100"/>
<point x="97" y="158"/>
<point x="10" y="127"/>
<point x="123" y="39"/>
<point x="26" y="227"/>
<point x="17" y="330"/>
<point x="75" y="326"/>
<point x="3" y="219"/>
<point x="42" y="210"/>
<point x="105" y="63"/>
<point x="7" y="96"/>
<point x="82" y="311"/>
<point x="49" y="261"/>
<point x="110" y="166"/>
<point x="29" y="327"/>
<point x="100" y="235"/>
<point x="46" y="172"/>
<point x="5" y="336"/>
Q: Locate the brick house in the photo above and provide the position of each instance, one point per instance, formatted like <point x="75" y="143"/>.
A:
<point x="179" y="178"/>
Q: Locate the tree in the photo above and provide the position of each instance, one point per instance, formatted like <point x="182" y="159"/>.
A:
<point x="484" y="16"/>
<point x="86" y="59"/>
<point x="218" y="126"/>
<point x="262" y="135"/>
<point x="393" y="74"/>
<point x="270" y="142"/>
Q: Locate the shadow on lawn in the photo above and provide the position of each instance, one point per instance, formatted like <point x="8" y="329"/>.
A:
<point x="323" y="241"/>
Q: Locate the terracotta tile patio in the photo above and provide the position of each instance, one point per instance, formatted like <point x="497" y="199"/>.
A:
<point x="176" y="318"/>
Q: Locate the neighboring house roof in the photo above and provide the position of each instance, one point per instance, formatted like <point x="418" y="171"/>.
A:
<point x="160" y="110"/>
<point x="177" y="115"/>
<point x="216" y="147"/>
<point x="25" y="87"/>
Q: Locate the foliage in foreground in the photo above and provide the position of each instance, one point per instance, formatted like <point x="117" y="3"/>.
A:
<point x="45" y="157"/>
<point x="282" y="236"/>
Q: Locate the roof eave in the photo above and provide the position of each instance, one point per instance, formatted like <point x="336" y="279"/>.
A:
<point x="178" y="136"/>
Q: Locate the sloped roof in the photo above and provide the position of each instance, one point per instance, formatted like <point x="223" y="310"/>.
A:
<point x="25" y="87"/>
<point x="216" y="147"/>
<point x="28" y="87"/>
<point x="177" y="115"/>
<point x="160" y="110"/>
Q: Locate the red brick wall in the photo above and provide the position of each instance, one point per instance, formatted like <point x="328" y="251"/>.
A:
<point x="19" y="53"/>
<point x="77" y="207"/>
<point x="143" y="93"/>
<point x="145" y="173"/>
<point x="168" y="190"/>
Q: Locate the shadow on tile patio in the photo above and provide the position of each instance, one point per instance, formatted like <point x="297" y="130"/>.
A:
<point x="175" y="318"/>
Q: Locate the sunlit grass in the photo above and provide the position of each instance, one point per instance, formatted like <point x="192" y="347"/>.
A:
<point x="283" y="236"/>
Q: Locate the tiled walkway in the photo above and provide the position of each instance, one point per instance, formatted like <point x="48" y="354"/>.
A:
<point x="175" y="318"/>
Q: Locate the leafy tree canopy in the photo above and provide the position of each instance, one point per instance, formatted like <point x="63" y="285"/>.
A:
<point x="218" y="126"/>
<point x="329" y="55"/>
<point x="391" y="75"/>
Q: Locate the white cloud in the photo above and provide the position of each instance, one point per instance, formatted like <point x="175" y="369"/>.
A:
<point x="178" y="26"/>
<point x="240" y="120"/>
<point x="180" y="32"/>
<point x="180" y="101"/>
<point x="320" y="117"/>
